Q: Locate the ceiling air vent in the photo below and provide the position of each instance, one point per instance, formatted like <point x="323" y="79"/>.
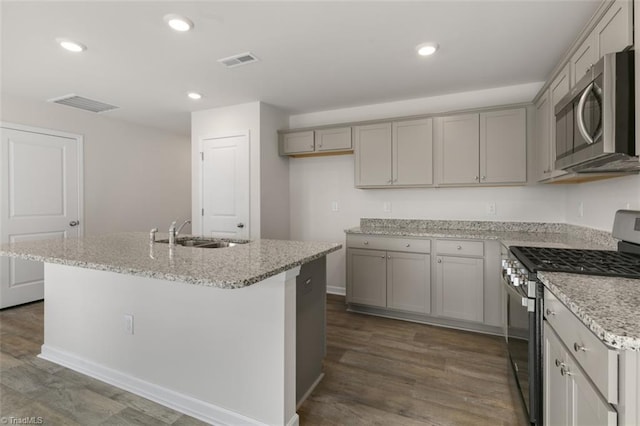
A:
<point x="237" y="60"/>
<point x="83" y="103"/>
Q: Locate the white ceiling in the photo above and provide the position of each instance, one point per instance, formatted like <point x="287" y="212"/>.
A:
<point x="314" y="55"/>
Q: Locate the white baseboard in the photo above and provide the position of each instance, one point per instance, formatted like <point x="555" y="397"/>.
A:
<point x="185" y="404"/>
<point x="340" y="291"/>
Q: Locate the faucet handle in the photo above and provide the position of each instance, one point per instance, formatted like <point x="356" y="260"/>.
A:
<point x="152" y="235"/>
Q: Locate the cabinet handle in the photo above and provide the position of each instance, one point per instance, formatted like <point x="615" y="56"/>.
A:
<point x="475" y="178"/>
<point x="564" y="371"/>
<point x="366" y="243"/>
<point x="559" y="363"/>
<point x="439" y="260"/>
<point x="408" y="245"/>
<point x="484" y="178"/>
<point x="383" y="256"/>
<point x="459" y="247"/>
<point x="549" y="312"/>
<point x="390" y="181"/>
<point x="320" y="145"/>
<point x="578" y="348"/>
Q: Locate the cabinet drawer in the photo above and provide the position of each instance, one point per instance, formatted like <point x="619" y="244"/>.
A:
<point x="411" y="245"/>
<point x="460" y="248"/>
<point x="596" y="359"/>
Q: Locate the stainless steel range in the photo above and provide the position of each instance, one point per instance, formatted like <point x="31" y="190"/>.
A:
<point x="525" y="296"/>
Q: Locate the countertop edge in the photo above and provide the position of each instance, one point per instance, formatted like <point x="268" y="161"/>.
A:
<point x="172" y="277"/>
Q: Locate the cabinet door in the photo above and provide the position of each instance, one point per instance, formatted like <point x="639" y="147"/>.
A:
<point x="582" y="60"/>
<point x="338" y="139"/>
<point x="459" y="143"/>
<point x="614" y="32"/>
<point x="367" y="277"/>
<point x="413" y="152"/>
<point x="373" y="155"/>
<point x="459" y="288"/>
<point x="558" y="89"/>
<point x="299" y="142"/>
<point x="409" y="282"/>
<point x="543" y="136"/>
<point x="503" y="146"/>
<point x="555" y="386"/>
<point x="588" y="407"/>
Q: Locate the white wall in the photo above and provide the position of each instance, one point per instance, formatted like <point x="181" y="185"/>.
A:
<point x="600" y="201"/>
<point x="274" y="175"/>
<point x="269" y="176"/>
<point x="135" y="177"/>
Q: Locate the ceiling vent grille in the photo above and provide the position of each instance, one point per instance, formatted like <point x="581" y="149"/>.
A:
<point x="83" y="103"/>
<point x="237" y="60"/>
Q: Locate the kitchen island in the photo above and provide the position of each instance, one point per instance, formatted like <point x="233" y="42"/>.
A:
<point x="208" y="332"/>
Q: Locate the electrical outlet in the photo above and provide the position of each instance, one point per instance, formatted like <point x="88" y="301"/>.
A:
<point x="386" y="207"/>
<point x="128" y="323"/>
<point x="581" y="209"/>
<point x="334" y="206"/>
<point x="491" y="209"/>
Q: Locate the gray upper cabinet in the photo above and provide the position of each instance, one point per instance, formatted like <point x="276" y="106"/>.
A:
<point x="503" y="146"/>
<point x="321" y="141"/>
<point x="485" y="148"/>
<point x="614" y="32"/>
<point x="298" y="142"/>
<point x="412" y="152"/>
<point x="394" y="154"/>
<point x="582" y="60"/>
<point x="335" y="139"/>
<point x="543" y="122"/>
<point x="459" y="154"/>
<point x="373" y="155"/>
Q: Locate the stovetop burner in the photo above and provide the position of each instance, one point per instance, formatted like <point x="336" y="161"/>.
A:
<point x="575" y="261"/>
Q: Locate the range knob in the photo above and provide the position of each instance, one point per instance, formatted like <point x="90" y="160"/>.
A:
<point x="515" y="280"/>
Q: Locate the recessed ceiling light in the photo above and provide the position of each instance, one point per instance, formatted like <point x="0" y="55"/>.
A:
<point x="70" y="45"/>
<point x="426" y="49"/>
<point x="194" y="95"/>
<point x="178" y="22"/>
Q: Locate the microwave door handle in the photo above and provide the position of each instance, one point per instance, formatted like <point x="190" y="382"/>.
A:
<point x="598" y="93"/>
<point x="580" y="115"/>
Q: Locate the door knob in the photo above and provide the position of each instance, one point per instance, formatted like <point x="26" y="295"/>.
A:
<point x="74" y="223"/>
<point x="240" y="225"/>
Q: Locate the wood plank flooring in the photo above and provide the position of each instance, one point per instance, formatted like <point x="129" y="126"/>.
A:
<point x="377" y="371"/>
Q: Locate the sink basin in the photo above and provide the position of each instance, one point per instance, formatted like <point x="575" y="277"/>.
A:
<point x="204" y="242"/>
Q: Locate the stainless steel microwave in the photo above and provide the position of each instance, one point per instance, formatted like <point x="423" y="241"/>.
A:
<point x="595" y="130"/>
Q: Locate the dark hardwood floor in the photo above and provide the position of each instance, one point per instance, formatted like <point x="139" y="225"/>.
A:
<point x="377" y="371"/>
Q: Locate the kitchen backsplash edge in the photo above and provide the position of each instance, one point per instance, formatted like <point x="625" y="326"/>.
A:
<point x="600" y="237"/>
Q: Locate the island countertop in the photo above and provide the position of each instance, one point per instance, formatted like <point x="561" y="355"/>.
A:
<point x="133" y="254"/>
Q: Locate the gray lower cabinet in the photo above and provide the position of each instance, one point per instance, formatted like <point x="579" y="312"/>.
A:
<point x="394" y="280"/>
<point x="569" y="396"/>
<point x="460" y="287"/>
<point x="367" y="276"/>
<point x="393" y="276"/>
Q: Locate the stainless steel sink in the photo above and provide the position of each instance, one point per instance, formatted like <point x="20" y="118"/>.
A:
<point x="205" y="242"/>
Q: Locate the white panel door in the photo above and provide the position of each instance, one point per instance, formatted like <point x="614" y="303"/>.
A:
<point x="225" y="186"/>
<point x="40" y="198"/>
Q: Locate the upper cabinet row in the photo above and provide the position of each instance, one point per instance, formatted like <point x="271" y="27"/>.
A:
<point x="336" y="139"/>
<point x="488" y="148"/>
<point x="612" y="33"/>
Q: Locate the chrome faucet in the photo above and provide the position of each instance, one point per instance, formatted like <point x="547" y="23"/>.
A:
<point x="152" y="235"/>
<point x="173" y="232"/>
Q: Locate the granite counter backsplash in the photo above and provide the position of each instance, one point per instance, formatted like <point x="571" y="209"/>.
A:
<point x="510" y="233"/>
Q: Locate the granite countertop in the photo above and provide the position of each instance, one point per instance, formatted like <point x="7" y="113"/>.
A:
<point x="609" y="307"/>
<point x="132" y="254"/>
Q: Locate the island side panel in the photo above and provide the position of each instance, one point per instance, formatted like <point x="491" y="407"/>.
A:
<point x="229" y="352"/>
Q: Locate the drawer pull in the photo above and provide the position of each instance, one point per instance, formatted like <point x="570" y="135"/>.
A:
<point x="389" y="257"/>
<point x="366" y="243"/>
<point x="408" y="245"/>
<point x="459" y="247"/>
<point x="578" y="348"/>
<point x="549" y="312"/>
<point x="439" y="260"/>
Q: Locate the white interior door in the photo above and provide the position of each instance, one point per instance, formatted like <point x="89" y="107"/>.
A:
<point x="225" y="186"/>
<point x="40" y="198"/>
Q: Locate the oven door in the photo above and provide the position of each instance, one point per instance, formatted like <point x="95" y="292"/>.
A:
<point x="521" y="336"/>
